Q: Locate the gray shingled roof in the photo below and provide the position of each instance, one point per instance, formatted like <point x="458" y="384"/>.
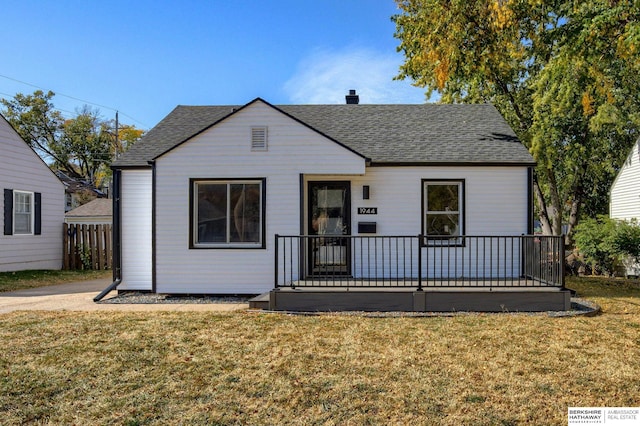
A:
<point x="96" y="207"/>
<point x="385" y="134"/>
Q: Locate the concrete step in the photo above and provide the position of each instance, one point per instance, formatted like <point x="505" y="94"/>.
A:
<point x="259" y="302"/>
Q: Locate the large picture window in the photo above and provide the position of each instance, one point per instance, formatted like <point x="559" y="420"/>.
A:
<point x="228" y="213"/>
<point x="23" y="212"/>
<point x="443" y="207"/>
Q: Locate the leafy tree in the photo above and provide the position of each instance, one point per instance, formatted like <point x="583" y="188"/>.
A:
<point x="562" y="73"/>
<point x="595" y="240"/>
<point x="85" y="143"/>
<point x="39" y="124"/>
<point x="127" y="136"/>
<point x="81" y="147"/>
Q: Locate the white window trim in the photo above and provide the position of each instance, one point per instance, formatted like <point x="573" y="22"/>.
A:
<point x="31" y="212"/>
<point x="227" y="182"/>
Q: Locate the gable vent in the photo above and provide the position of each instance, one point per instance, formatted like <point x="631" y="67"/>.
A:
<point x="259" y="138"/>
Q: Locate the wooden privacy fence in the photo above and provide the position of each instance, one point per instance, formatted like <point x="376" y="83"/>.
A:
<point x="87" y="246"/>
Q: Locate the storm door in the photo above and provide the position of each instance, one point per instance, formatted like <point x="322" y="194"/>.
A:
<point x="329" y="221"/>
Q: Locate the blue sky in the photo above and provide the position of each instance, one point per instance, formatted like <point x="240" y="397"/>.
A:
<point x="145" y="57"/>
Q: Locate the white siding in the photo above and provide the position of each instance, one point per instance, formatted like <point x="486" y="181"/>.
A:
<point x="625" y="197"/>
<point x="224" y="151"/>
<point x="21" y="169"/>
<point x="136" y="204"/>
<point x="496" y="198"/>
<point x="495" y="204"/>
<point x="625" y="191"/>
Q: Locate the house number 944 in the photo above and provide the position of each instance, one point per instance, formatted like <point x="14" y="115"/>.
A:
<point x="367" y="210"/>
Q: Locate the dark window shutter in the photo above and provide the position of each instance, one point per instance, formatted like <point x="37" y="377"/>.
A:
<point x="8" y="212"/>
<point x="37" y="227"/>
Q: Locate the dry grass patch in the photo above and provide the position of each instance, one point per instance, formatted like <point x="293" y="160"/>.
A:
<point x="248" y="368"/>
<point x="12" y="281"/>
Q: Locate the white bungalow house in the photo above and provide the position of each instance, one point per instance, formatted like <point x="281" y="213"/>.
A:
<point x="624" y="201"/>
<point x="257" y="198"/>
<point x="32" y="205"/>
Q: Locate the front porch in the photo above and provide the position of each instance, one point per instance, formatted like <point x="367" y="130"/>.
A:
<point x="418" y="274"/>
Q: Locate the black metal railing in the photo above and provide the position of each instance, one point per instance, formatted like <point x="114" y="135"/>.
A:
<point x="419" y="261"/>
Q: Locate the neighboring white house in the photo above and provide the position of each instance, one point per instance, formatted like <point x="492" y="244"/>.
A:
<point x="625" y="195"/>
<point x="201" y="197"/>
<point x="32" y="205"/>
<point x="625" y="190"/>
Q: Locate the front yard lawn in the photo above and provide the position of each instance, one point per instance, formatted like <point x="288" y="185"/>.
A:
<point x="12" y="281"/>
<point x="254" y="368"/>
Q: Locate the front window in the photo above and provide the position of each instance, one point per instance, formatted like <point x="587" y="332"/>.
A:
<point x="22" y="212"/>
<point x="228" y="213"/>
<point x="443" y="210"/>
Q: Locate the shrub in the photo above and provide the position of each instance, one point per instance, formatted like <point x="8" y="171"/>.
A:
<point x="85" y="256"/>
<point x="595" y="241"/>
<point x="606" y="243"/>
<point x="627" y="239"/>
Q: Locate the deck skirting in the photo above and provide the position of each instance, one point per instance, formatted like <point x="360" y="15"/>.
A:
<point x="409" y="300"/>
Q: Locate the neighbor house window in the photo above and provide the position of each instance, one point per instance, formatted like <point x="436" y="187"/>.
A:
<point x="443" y="210"/>
<point x="228" y="213"/>
<point x="23" y="212"/>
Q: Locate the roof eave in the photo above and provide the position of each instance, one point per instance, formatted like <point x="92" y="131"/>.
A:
<point x="452" y="164"/>
<point x="237" y="110"/>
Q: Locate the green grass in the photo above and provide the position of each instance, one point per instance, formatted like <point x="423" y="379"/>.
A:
<point x="253" y="368"/>
<point x="12" y="281"/>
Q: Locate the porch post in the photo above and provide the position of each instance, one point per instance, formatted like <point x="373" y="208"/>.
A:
<point x="420" y="262"/>
<point x="275" y="269"/>
<point x="562" y="260"/>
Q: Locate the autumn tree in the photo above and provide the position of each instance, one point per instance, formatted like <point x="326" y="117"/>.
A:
<point x="81" y="147"/>
<point x="564" y="74"/>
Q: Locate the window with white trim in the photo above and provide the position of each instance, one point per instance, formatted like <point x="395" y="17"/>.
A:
<point x="443" y="207"/>
<point x="228" y="213"/>
<point x="23" y="213"/>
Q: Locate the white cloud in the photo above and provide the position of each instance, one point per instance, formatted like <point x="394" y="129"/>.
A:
<point x="325" y="77"/>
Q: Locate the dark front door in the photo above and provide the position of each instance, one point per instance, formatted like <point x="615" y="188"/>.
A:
<point x="329" y="219"/>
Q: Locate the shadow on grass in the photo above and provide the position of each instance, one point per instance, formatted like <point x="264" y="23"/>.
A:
<point x="38" y="279"/>
<point x="614" y="295"/>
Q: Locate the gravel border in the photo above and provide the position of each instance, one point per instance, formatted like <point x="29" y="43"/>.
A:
<point x="136" y="298"/>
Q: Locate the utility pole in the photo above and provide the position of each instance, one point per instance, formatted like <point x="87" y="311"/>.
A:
<point x="116" y="153"/>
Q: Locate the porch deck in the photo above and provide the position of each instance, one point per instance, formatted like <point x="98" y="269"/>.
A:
<point x="430" y="299"/>
<point x="466" y="273"/>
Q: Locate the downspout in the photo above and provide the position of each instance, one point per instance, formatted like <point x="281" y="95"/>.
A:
<point x="115" y="236"/>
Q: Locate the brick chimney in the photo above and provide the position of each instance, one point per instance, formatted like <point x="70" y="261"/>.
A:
<point x="352" y="98"/>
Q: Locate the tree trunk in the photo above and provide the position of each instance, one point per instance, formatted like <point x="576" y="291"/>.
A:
<point x="543" y="213"/>
<point x="577" y="195"/>
<point x="573" y="221"/>
<point x="555" y="211"/>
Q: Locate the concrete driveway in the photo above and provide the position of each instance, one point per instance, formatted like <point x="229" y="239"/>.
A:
<point x="79" y="297"/>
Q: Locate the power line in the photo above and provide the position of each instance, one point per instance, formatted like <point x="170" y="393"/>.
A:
<point x="64" y="112"/>
<point x="74" y="98"/>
